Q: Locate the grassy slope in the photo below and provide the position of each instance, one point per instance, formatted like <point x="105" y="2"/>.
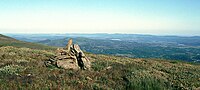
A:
<point x="8" y="41"/>
<point x="23" y="68"/>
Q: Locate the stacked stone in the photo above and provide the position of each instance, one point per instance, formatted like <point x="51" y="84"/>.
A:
<point x="71" y="57"/>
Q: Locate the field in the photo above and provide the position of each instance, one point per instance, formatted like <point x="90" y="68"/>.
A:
<point x="23" y="68"/>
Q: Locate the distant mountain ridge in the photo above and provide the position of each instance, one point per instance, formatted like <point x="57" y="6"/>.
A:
<point x="186" y="40"/>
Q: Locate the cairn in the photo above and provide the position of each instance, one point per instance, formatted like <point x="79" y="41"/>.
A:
<point x="71" y="57"/>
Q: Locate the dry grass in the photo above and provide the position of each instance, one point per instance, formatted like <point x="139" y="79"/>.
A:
<point x="23" y="68"/>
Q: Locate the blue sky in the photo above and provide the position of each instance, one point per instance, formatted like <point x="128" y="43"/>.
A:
<point x="181" y="17"/>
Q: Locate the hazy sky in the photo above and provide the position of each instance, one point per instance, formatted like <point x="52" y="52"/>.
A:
<point x="180" y="17"/>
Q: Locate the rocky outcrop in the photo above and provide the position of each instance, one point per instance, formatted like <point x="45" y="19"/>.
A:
<point x="71" y="57"/>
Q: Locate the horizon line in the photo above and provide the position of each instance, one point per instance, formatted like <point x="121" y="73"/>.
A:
<point x="106" y="33"/>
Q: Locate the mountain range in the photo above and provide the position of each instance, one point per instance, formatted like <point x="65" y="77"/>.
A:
<point x="184" y="48"/>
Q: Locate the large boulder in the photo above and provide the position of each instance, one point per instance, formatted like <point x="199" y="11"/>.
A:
<point x="71" y="57"/>
<point x="86" y="61"/>
<point x="68" y="64"/>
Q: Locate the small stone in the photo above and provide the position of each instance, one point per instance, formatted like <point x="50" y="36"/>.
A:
<point x="109" y="67"/>
<point x="88" y="78"/>
<point x="29" y="75"/>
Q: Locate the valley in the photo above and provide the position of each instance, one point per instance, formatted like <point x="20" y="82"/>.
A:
<point x="181" y="48"/>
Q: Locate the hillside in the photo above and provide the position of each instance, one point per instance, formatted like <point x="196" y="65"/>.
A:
<point x="23" y="68"/>
<point x="8" y="41"/>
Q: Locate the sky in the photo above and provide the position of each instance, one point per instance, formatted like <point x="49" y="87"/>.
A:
<point x="167" y="17"/>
